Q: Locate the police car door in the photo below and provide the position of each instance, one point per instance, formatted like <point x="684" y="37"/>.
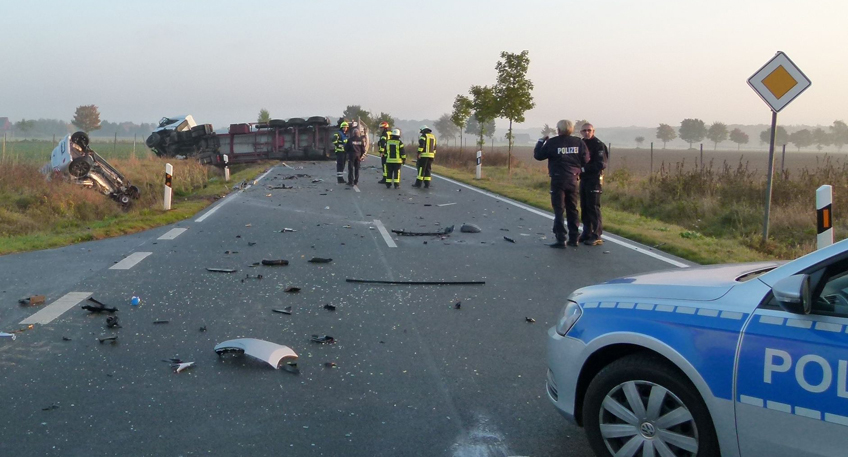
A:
<point x="791" y="387"/>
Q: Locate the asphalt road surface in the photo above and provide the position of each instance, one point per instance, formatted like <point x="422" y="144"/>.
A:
<point x="408" y="375"/>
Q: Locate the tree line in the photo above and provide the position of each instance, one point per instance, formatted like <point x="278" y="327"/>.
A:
<point x="86" y="118"/>
<point x="695" y="130"/>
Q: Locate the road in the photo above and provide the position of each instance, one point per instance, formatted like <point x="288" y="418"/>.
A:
<point x="413" y="375"/>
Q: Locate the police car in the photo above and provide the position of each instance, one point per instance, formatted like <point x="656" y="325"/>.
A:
<point x="732" y="360"/>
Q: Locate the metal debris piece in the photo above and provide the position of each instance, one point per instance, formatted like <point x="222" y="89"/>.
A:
<point x="112" y="322"/>
<point x="286" y="310"/>
<point x="287" y="230"/>
<point x="266" y="351"/>
<point x="445" y="231"/>
<point x="418" y="283"/>
<point x="509" y="239"/>
<point x="221" y="270"/>
<point x="178" y="367"/>
<point x="258" y="277"/>
<point x="457" y="305"/>
<point x="323" y="339"/>
<point x="161" y="322"/>
<point x="275" y="262"/>
<point x="32" y="300"/>
<point x="111" y="339"/>
<point x="292" y="289"/>
<point x="530" y="320"/>
<point x="8" y="335"/>
<point x="320" y="260"/>
<point x="446" y="204"/>
<point x="51" y="407"/>
<point x="469" y="228"/>
<point x="330" y="307"/>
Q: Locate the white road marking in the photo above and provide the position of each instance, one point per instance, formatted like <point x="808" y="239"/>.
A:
<point x="356" y="188"/>
<point x="385" y="233"/>
<point x="130" y="261"/>
<point x="56" y="309"/>
<point x="446" y="204"/>
<point x="614" y="239"/>
<point x="173" y="233"/>
<point x="264" y="175"/>
<point x="226" y="200"/>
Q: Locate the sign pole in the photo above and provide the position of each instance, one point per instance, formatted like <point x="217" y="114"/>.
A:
<point x="770" y="175"/>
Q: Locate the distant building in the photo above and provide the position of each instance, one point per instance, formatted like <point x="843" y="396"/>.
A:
<point x="5" y="125"/>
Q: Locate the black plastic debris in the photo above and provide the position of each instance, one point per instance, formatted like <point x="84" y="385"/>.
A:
<point x="291" y="367"/>
<point x="323" y="339"/>
<point x="203" y="329"/>
<point x="418" y="283"/>
<point x="111" y="339"/>
<point x="457" y="305"/>
<point x="221" y="270"/>
<point x="469" y="228"/>
<point x="258" y="277"/>
<point x="32" y="300"/>
<point x="283" y="186"/>
<point x="275" y="262"/>
<point x="445" y="231"/>
<point x="330" y="307"/>
<point x="230" y="252"/>
<point x="317" y="181"/>
<point x="530" y="320"/>
<point x="287" y="230"/>
<point x="329" y="364"/>
<point x="292" y="289"/>
<point x="99" y="307"/>
<point x="286" y="310"/>
<point x="251" y="243"/>
<point x="112" y="322"/>
<point x="161" y="322"/>
<point x="509" y="239"/>
<point x="51" y="407"/>
<point x="65" y="338"/>
<point x="320" y="260"/>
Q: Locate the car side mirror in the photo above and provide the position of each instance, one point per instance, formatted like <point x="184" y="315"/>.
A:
<point x="793" y="294"/>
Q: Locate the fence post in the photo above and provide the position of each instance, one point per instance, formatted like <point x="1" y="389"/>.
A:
<point x="609" y="157"/>
<point x="479" y="165"/>
<point x="651" y="175"/>
<point x="169" y="172"/>
<point x="783" y="160"/>
<point x="115" y="144"/>
<point x="135" y="137"/>
<point x="4" y="146"/>
<point x="702" y="157"/>
<point x="824" y="216"/>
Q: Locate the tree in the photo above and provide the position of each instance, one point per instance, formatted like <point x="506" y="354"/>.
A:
<point x="692" y="131"/>
<point x="547" y="130"/>
<point x="513" y="91"/>
<point x="474" y="128"/>
<point x="264" y="116"/>
<point x="666" y="133"/>
<point x="24" y="126"/>
<point x="717" y="133"/>
<point x="821" y="138"/>
<point x="801" y="139"/>
<point x="485" y="106"/>
<point x="461" y="112"/>
<point x="739" y="137"/>
<point x="87" y="118"/>
<point x="356" y="113"/>
<point x="383" y="117"/>
<point x="639" y="141"/>
<point x="839" y="134"/>
<point x="780" y="136"/>
<point x="446" y="127"/>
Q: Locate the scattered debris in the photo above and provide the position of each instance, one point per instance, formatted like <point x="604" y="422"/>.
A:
<point x="292" y="289"/>
<point x="161" y="322"/>
<point x="330" y="307"/>
<point x="203" y="329"/>
<point x="266" y="351"/>
<point x="345" y="226"/>
<point x="51" y="407"/>
<point x="286" y="310"/>
<point x="221" y="270"/>
<point x="32" y="300"/>
<point x="469" y="228"/>
<point x="248" y="225"/>
<point x="283" y="186"/>
<point x="287" y="230"/>
<point x="65" y="338"/>
<point x="251" y="243"/>
<point x="419" y="283"/>
<point x="509" y="239"/>
<point x="446" y="204"/>
<point x="323" y="339"/>
<point x="258" y="277"/>
<point x="112" y="322"/>
<point x="445" y="231"/>
<point x="320" y="260"/>
<point x="100" y="307"/>
<point x="111" y="339"/>
<point x="329" y="364"/>
<point x="317" y="180"/>
<point x="530" y="320"/>
<point x="178" y="367"/>
<point x="457" y="305"/>
<point x="276" y="262"/>
<point x="8" y="335"/>
<point x="428" y="204"/>
<point x="230" y="252"/>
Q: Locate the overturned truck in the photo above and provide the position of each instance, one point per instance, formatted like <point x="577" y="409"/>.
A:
<point x="292" y="139"/>
<point x="73" y="157"/>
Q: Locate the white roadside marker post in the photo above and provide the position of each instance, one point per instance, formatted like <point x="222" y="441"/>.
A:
<point x="169" y="172"/>
<point x="824" y="216"/>
<point x="479" y="165"/>
<point x="226" y="168"/>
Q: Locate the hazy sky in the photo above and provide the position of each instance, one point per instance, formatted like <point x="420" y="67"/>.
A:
<point x="616" y="63"/>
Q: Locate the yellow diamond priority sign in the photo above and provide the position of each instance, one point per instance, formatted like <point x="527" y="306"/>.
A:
<point x="778" y="82"/>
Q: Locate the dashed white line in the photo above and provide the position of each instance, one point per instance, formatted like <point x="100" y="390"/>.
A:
<point x="356" y="188"/>
<point x="173" y="233"/>
<point x="385" y="233"/>
<point x="130" y="261"/>
<point x="56" y="309"/>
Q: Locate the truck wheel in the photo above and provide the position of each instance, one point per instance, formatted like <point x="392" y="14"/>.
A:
<point x="133" y="192"/>
<point x="640" y="405"/>
<point x="318" y="120"/>
<point x="296" y="122"/>
<point x="198" y="131"/>
<point x="153" y="140"/>
<point x="277" y="124"/>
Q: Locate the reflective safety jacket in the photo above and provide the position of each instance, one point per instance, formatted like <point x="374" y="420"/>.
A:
<point x="394" y="150"/>
<point x="427" y="144"/>
<point x="381" y="145"/>
<point x="339" y="141"/>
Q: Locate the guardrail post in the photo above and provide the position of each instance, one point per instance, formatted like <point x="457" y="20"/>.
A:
<point x="824" y="216"/>
<point x="169" y="172"/>
<point x="226" y="168"/>
<point x="479" y="165"/>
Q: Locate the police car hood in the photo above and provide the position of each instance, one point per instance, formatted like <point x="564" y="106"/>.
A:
<point x="696" y="283"/>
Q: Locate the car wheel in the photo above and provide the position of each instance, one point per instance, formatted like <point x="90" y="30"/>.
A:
<point x="639" y="405"/>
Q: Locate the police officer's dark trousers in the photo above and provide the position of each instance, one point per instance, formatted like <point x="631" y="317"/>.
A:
<point x="352" y="167"/>
<point x="564" y="200"/>
<point x="340" y="165"/>
<point x="590" y="208"/>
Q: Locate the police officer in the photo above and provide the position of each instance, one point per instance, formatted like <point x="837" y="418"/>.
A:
<point x="339" y="142"/>
<point x="426" y="154"/>
<point x="395" y="158"/>
<point x="356" y="152"/>
<point x="591" y="183"/>
<point x="381" y="145"/>
<point x="566" y="155"/>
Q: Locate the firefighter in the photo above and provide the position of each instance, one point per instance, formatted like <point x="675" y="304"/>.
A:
<point x="591" y="183"/>
<point x="426" y="154"/>
<point x="339" y="143"/>
<point x="395" y="158"/>
<point x="355" y="148"/>
<point x="381" y="145"/>
<point x="566" y="156"/>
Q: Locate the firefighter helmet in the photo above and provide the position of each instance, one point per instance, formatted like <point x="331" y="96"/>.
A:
<point x="384" y="125"/>
<point x="343" y="125"/>
<point x="396" y="132"/>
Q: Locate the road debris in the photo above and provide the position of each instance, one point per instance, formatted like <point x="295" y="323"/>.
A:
<point x="99" y="307"/>
<point x="275" y="262"/>
<point x="317" y="181"/>
<point x="51" y="407"/>
<point x="292" y="289"/>
<point x="283" y="186"/>
<point x="161" y="322"/>
<point x="112" y="322"/>
<point x="330" y="307"/>
<point x="203" y="329"/>
<point x="8" y="335"/>
<point x="457" y="305"/>
<point x="445" y="231"/>
<point x="418" y="283"/>
<point x="221" y="270"/>
<point x="287" y="230"/>
<point x="509" y="239"/>
<point x="65" y="338"/>
<point x="446" y="204"/>
<point x="32" y="300"/>
<point x="248" y="225"/>
<point x="323" y="339"/>
<point x="469" y="228"/>
<point x="230" y="252"/>
<point x="530" y="320"/>
<point x="258" y="277"/>
<point x="251" y="243"/>
<point x="286" y="310"/>
<point x="320" y="260"/>
<point x="345" y="226"/>
<point x="111" y="339"/>
<point x="265" y="351"/>
<point x="329" y="364"/>
<point x="178" y="367"/>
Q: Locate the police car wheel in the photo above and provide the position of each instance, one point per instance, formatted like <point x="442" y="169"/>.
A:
<point x="640" y="405"/>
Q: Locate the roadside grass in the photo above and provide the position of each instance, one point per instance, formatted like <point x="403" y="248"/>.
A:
<point x="39" y="214"/>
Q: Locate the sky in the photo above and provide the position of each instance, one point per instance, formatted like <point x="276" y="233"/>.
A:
<point x="613" y="62"/>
